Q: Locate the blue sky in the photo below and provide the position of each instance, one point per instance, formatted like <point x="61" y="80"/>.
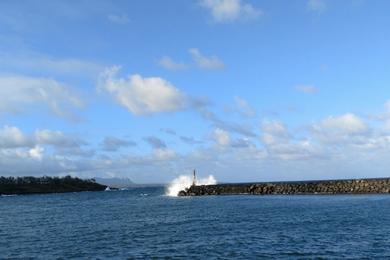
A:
<point x="244" y="90"/>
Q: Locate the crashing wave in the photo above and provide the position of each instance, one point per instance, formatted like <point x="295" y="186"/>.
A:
<point x="184" y="181"/>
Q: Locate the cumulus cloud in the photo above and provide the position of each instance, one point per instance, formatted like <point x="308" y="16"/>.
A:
<point x="281" y="144"/>
<point x="24" y="93"/>
<point x="332" y="139"/>
<point x="39" y="152"/>
<point x="221" y="137"/>
<point x="316" y="6"/>
<point x="169" y="64"/>
<point x="155" y="142"/>
<point x="114" y="144"/>
<point x="342" y="131"/>
<point x="230" y="10"/>
<point x="204" y="62"/>
<point x="309" y="89"/>
<point x="164" y="154"/>
<point x="11" y="137"/>
<point x="335" y="146"/>
<point x="344" y="124"/>
<point x="57" y="138"/>
<point x="274" y="132"/>
<point x="36" y="153"/>
<point x="142" y="95"/>
<point x="49" y="152"/>
<point x="243" y="107"/>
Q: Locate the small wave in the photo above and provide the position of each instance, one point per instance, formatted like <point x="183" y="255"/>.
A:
<point x="184" y="181"/>
<point x="8" y="195"/>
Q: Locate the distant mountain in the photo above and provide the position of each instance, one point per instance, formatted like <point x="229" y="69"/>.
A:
<point x="118" y="183"/>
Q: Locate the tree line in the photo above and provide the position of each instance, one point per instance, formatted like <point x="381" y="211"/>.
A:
<point x="46" y="184"/>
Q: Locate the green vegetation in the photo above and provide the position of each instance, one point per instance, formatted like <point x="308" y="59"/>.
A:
<point x="36" y="185"/>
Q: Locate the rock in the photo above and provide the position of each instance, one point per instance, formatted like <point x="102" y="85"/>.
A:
<point x="182" y="193"/>
<point x="360" y="186"/>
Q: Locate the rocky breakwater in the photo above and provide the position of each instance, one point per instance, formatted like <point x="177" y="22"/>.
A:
<point x="359" y="186"/>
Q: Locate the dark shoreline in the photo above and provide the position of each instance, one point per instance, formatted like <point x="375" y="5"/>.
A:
<point x="320" y="187"/>
<point x="46" y="185"/>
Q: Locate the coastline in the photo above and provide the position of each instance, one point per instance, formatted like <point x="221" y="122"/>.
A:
<point x="45" y="185"/>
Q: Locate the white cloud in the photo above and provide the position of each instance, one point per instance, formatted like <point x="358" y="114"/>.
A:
<point x="36" y="153"/>
<point x="169" y="64"/>
<point x="164" y="154"/>
<point x="57" y="138"/>
<point x="337" y="146"/>
<point x="39" y="63"/>
<point x="221" y="137"/>
<point x="118" y="18"/>
<point x="273" y="132"/>
<point x="208" y="63"/>
<point x="24" y="93"/>
<point x="230" y="10"/>
<point x="282" y="145"/>
<point x="309" y="89"/>
<point x="243" y="107"/>
<point x="142" y="96"/>
<point x="316" y="5"/>
<point x="11" y="137"/>
<point x="341" y="131"/>
<point x="344" y="124"/>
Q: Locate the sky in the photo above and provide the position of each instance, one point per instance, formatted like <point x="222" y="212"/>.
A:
<point x="149" y="90"/>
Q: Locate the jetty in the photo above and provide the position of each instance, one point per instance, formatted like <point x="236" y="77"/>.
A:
<point x="350" y="186"/>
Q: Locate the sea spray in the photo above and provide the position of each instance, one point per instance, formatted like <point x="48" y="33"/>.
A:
<point x="184" y="181"/>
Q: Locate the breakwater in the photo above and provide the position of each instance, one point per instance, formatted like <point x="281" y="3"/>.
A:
<point x="357" y="186"/>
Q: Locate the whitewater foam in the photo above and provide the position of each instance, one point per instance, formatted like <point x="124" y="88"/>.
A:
<point x="184" y="181"/>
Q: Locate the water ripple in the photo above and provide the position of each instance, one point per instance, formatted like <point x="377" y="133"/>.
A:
<point x="124" y="224"/>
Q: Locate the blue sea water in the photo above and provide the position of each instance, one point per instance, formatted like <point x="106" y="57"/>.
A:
<point x="143" y="223"/>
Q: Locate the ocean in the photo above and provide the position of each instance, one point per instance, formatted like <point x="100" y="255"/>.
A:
<point x="144" y="223"/>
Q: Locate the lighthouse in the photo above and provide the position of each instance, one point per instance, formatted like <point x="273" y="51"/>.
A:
<point x="194" y="179"/>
